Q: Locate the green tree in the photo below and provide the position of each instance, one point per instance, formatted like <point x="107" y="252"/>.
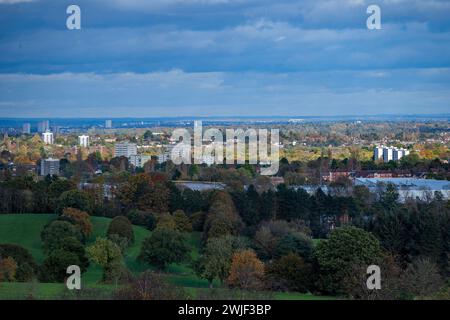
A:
<point x="164" y="247"/>
<point x="74" y="199"/>
<point x="291" y="273"/>
<point x="216" y="260"/>
<point x="182" y="223"/>
<point x="55" y="231"/>
<point x="337" y="256"/>
<point x="54" y="268"/>
<point x="108" y="255"/>
<point x="122" y="227"/>
<point x="297" y="243"/>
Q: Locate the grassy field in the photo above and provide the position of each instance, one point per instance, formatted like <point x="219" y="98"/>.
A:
<point x="25" y="229"/>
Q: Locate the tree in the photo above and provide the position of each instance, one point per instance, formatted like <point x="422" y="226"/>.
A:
<point x="80" y="219"/>
<point x="246" y="271"/>
<point x="73" y="199"/>
<point x="297" y="243"/>
<point x="216" y="260"/>
<point x="164" y="247"/>
<point x="421" y="279"/>
<point x="122" y="227"/>
<point x="108" y="255"/>
<point x="141" y="192"/>
<point x="26" y="266"/>
<point x="337" y="256"/>
<point x="165" y="221"/>
<point x="141" y="218"/>
<point x="182" y="223"/>
<point x="222" y="217"/>
<point x="54" y="268"/>
<point x="8" y="268"/>
<point x="55" y="231"/>
<point x="73" y="245"/>
<point x="291" y="273"/>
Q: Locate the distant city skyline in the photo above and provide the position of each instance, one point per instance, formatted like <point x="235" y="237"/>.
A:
<point x="143" y="59"/>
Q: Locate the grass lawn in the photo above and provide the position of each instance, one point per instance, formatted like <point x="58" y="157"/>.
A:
<point x="25" y="229"/>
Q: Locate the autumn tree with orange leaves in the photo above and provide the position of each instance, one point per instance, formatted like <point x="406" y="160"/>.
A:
<point x="247" y="271"/>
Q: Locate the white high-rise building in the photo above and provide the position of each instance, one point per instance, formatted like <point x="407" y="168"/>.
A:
<point x="125" y="150"/>
<point x="47" y="137"/>
<point x="26" y="128"/>
<point x="389" y="153"/>
<point x="378" y="153"/>
<point x="83" y="141"/>
<point x="108" y="124"/>
<point x="397" y="154"/>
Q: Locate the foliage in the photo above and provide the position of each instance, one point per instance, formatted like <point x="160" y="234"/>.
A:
<point x="164" y="247"/>
<point x="246" y="271"/>
<point x="121" y="226"/>
<point x="74" y="199"/>
<point x="55" y="231"/>
<point x="80" y="219"/>
<point x="215" y="262"/>
<point x="182" y="223"/>
<point x="336" y="257"/>
<point x="108" y="255"/>
<point x="54" y="268"/>
<point x="26" y="266"/>
<point x="291" y="273"/>
<point x="150" y="286"/>
<point x="8" y="268"/>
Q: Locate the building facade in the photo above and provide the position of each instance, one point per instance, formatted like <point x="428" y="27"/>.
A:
<point x="125" y="150"/>
<point x="49" y="167"/>
<point x="83" y="141"/>
<point x="47" y="137"/>
<point x="139" y="160"/>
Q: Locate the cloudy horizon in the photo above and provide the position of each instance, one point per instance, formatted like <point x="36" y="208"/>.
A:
<point x="223" y="57"/>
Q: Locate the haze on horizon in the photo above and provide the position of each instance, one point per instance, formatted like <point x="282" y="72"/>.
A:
<point x="223" y="58"/>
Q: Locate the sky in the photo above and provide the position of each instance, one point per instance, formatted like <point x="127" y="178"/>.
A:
<point x="139" y="58"/>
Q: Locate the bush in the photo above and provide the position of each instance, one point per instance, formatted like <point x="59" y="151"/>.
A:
<point x="150" y="286"/>
<point x="122" y="227"/>
<point x="26" y="266"/>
